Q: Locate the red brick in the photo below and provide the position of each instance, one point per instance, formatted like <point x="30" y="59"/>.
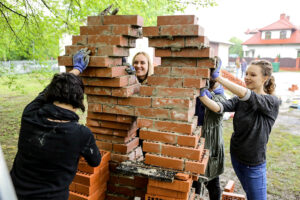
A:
<point x="147" y="123"/>
<point x="103" y="61"/>
<point x="166" y="42"/>
<point x="166" y="192"/>
<point x="115" y="139"/>
<point x="95" y="30"/>
<point x="159" y="197"/>
<point x="172" y="163"/>
<point x="158" y="136"/>
<point x="182" y="176"/>
<point x="109" y="40"/>
<point x="181" y="152"/>
<point x="178" y="62"/>
<point x="176" y="20"/>
<point x="194" y="83"/>
<point x="176" y="92"/>
<point x="153" y="113"/>
<point x="165" y="81"/>
<point x="150" y="31"/>
<point x="190" y="71"/>
<point x="229" y="186"/>
<point x="117" y="109"/>
<point x="115" y="132"/>
<point x="103" y="145"/>
<point x="126" y="91"/>
<point x="116" y="197"/>
<point x="123" y="19"/>
<point x="97" y="90"/>
<point x="196" y="41"/>
<point x="197" y="167"/>
<point x="188" y="140"/>
<point x="135" y="101"/>
<point x="162" y="70"/>
<point x="94" y="20"/>
<point x="186" y="52"/>
<point x="182" y="115"/>
<point x="109" y="82"/>
<point x="103" y="72"/>
<point x="126" y="148"/>
<point x="101" y="99"/>
<point x="116" y="157"/>
<point x="181" y="30"/>
<point x="79" y="39"/>
<point x="65" y="61"/>
<point x="86" y="179"/>
<point x="140" y="182"/>
<point x="127" y="30"/>
<point x="94" y="107"/>
<point x="174" y="103"/>
<point x="232" y="196"/>
<point x="152" y="147"/>
<point x="206" y="63"/>
<point x="111" y="117"/>
<point x="147" y="91"/>
<point x="72" y="186"/>
<point x="111" y="125"/>
<point x="96" y="50"/>
<point x="179" y="127"/>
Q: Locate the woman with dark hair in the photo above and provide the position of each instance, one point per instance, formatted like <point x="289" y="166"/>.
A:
<point x="51" y="140"/>
<point x="256" y="109"/>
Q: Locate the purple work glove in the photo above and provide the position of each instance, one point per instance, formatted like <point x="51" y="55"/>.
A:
<point x="204" y="91"/>
<point x="216" y="73"/>
<point x="219" y="90"/>
<point x="81" y="59"/>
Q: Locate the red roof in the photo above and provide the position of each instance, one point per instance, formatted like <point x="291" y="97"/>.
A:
<point x="282" y="24"/>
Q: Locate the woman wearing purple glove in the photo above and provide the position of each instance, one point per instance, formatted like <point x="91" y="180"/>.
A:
<point x="51" y="140"/>
<point x="212" y="131"/>
<point x="256" y="109"/>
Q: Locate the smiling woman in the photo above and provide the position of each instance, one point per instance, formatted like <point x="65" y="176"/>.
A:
<point x="143" y="66"/>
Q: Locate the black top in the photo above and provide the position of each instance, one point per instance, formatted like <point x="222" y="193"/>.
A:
<point x="254" y="117"/>
<point x="48" y="152"/>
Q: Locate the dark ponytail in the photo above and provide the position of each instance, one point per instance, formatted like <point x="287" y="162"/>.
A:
<point x="266" y="69"/>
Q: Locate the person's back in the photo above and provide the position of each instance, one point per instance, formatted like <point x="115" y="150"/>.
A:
<point x="51" y="142"/>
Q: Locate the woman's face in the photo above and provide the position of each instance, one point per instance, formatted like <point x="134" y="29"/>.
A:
<point x="254" y="79"/>
<point x="141" y="65"/>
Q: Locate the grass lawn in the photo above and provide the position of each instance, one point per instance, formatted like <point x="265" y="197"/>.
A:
<point x="283" y="155"/>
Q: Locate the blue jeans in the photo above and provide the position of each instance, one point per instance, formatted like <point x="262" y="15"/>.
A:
<point x="252" y="178"/>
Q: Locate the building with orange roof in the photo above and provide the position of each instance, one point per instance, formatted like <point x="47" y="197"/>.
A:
<point x="280" y="39"/>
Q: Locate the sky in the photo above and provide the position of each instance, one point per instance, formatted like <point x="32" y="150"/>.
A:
<point x="233" y="17"/>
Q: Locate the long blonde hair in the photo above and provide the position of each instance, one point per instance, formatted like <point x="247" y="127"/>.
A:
<point x="150" y="66"/>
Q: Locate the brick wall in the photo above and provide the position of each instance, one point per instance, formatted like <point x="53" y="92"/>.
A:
<point x="163" y="109"/>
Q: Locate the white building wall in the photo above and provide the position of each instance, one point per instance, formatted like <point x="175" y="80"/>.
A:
<point x="224" y="53"/>
<point x="285" y="51"/>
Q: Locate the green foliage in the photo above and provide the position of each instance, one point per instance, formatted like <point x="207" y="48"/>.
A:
<point x="236" y="48"/>
<point x="31" y="29"/>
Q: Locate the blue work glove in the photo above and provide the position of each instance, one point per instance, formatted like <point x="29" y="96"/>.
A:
<point x="130" y="69"/>
<point x="219" y="90"/>
<point x="216" y="73"/>
<point x="204" y="91"/>
<point x="81" y="59"/>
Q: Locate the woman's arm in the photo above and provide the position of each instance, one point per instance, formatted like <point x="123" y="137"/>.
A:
<point x="210" y="104"/>
<point x="238" y="90"/>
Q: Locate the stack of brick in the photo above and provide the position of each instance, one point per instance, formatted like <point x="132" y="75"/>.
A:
<point x="107" y="84"/>
<point x="177" y="190"/>
<point x="228" y="192"/>
<point x="90" y="182"/>
<point x="232" y="78"/>
<point x="167" y="104"/>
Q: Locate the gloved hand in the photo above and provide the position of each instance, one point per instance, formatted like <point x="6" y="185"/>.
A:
<point x="219" y="90"/>
<point x="204" y="91"/>
<point x="130" y="69"/>
<point x="216" y="73"/>
<point x="81" y="59"/>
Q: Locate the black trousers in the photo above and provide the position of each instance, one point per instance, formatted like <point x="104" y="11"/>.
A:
<point x="213" y="187"/>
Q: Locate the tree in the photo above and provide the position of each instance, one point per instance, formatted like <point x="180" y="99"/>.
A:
<point x="30" y="29"/>
<point x="236" y="48"/>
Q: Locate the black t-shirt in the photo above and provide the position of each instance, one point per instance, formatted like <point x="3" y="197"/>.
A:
<point x="254" y="117"/>
<point x="48" y="151"/>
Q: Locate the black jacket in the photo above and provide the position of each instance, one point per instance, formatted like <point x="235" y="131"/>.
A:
<point x="254" y="117"/>
<point x="48" y="152"/>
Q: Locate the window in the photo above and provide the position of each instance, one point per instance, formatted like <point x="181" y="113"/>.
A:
<point x="298" y="54"/>
<point x="282" y="34"/>
<point x="268" y="35"/>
